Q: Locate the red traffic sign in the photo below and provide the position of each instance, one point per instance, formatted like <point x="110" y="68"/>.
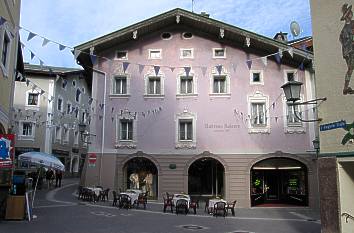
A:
<point x="92" y="158"/>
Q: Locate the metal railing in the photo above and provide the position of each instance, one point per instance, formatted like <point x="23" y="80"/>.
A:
<point x="346" y="215"/>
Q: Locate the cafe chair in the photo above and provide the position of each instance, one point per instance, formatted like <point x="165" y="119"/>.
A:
<point x="142" y="199"/>
<point x="219" y="209"/>
<point x="80" y="192"/>
<point x="182" y="206"/>
<point x="231" y="206"/>
<point x="208" y="209"/>
<point x="115" y="198"/>
<point x="167" y="202"/>
<point x="125" y="201"/>
<point x="194" y="204"/>
<point x="104" y="194"/>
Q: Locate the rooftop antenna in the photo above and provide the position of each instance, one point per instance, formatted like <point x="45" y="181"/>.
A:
<point x="192" y="5"/>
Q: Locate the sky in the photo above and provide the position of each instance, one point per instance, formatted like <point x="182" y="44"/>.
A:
<point x="73" y="22"/>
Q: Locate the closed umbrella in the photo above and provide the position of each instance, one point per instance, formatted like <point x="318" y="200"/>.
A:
<point x="42" y="159"/>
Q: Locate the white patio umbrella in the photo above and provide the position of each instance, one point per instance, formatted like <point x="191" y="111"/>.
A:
<point x="42" y="159"/>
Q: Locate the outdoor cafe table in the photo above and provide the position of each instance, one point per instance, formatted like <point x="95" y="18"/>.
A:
<point x="179" y="196"/>
<point x="96" y="190"/>
<point x="133" y="194"/>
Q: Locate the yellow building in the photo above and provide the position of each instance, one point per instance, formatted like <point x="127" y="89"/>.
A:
<point x="11" y="58"/>
<point x="333" y="30"/>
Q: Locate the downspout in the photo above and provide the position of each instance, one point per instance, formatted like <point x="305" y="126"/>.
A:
<point x="103" y="122"/>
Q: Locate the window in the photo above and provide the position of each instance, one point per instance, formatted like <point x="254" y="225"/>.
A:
<point x="66" y="134"/>
<point x="122" y="55"/>
<point x="5" y="47"/>
<point x="185" y="129"/>
<point x="74" y="83"/>
<point x="155" y="54"/>
<point x="58" y="133"/>
<point x="219" y="84"/>
<point x="64" y="82"/>
<point x="27" y="129"/>
<point x="68" y="108"/>
<point x="154" y="86"/>
<point x="258" y="117"/>
<point x="166" y="36"/>
<point x="186" y="53"/>
<point x="120" y="85"/>
<point x="290" y="75"/>
<point x="32" y="99"/>
<point x="256" y="77"/>
<point x="291" y="118"/>
<point x="84" y="117"/>
<point x="126" y="129"/>
<point x="5" y="50"/>
<point x="76" y="137"/>
<point x="77" y="113"/>
<point x="219" y="53"/>
<point x="77" y="96"/>
<point x="186" y="86"/>
<point x="187" y="35"/>
<point x="60" y="104"/>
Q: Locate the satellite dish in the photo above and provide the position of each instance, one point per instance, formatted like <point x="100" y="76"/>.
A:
<point x="294" y="28"/>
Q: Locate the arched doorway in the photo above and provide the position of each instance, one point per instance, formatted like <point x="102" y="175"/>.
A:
<point x="141" y="173"/>
<point x="279" y="181"/>
<point x="206" y="177"/>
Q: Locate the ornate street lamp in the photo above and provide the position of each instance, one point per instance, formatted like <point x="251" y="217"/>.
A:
<point x="85" y="136"/>
<point x="292" y="90"/>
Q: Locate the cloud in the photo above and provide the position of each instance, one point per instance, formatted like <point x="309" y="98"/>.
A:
<point x="74" y="22"/>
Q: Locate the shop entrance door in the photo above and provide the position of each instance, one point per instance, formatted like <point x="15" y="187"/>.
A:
<point x="271" y="180"/>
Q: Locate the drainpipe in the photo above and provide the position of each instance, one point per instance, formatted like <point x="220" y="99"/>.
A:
<point x="103" y="122"/>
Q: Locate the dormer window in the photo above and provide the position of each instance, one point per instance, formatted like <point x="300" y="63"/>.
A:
<point x="187" y="35"/>
<point x="219" y="53"/>
<point x="166" y="36"/>
<point x="122" y="55"/>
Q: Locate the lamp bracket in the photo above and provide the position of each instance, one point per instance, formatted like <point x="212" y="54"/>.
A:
<point x="314" y="101"/>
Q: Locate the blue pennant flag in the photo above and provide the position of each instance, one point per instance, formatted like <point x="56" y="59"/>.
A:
<point x="141" y="68"/>
<point x="219" y="68"/>
<point x="30" y="36"/>
<point x="93" y="58"/>
<point x="249" y="64"/>
<point x="2" y="20"/>
<point x="301" y="67"/>
<point x="157" y="69"/>
<point x="277" y="58"/>
<point x="125" y="66"/>
<point x="61" y="47"/>
<point x="187" y="69"/>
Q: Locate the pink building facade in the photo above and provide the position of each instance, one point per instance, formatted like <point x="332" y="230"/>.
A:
<point x="185" y="103"/>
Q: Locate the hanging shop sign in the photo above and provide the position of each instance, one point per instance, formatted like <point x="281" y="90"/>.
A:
<point x="7" y="145"/>
<point x="92" y="158"/>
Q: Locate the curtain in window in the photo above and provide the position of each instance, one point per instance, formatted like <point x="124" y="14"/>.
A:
<point x="27" y="129"/>
<point x="190" y="86"/>
<point x="126" y="130"/>
<point x="261" y="114"/>
<point x="158" y="86"/>
<point x="182" y="131"/>
<point x="32" y="99"/>
<point x="189" y="130"/>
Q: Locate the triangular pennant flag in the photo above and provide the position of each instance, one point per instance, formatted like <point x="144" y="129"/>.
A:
<point x="125" y="66"/>
<point x="93" y="58"/>
<point x="234" y="66"/>
<point x="27" y="82"/>
<point x="45" y="42"/>
<point x="301" y="67"/>
<point x="172" y="69"/>
<point x="61" y="47"/>
<point x="204" y="70"/>
<point x="249" y="63"/>
<point x="276" y="119"/>
<point x="264" y="61"/>
<point x="22" y="45"/>
<point x="277" y="58"/>
<point x="42" y="92"/>
<point x="23" y="78"/>
<point x="41" y="63"/>
<point x="2" y="20"/>
<point x="34" y="87"/>
<point x="157" y="69"/>
<point x="32" y="55"/>
<point x="291" y="51"/>
<point x="187" y="69"/>
<point x="31" y="35"/>
<point x="219" y="68"/>
<point x="141" y="68"/>
<point x="76" y="53"/>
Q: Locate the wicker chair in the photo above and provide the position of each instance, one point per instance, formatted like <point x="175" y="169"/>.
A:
<point x="182" y="206"/>
<point x="125" y="201"/>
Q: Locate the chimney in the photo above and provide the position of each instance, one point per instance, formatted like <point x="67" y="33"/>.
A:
<point x="281" y="36"/>
<point x="203" y="13"/>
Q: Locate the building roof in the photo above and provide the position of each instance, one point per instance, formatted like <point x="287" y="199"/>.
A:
<point x="50" y="70"/>
<point x="200" y="22"/>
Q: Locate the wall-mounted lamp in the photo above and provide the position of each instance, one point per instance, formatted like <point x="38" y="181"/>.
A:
<point x="316" y="146"/>
<point x="85" y="135"/>
<point x="292" y="91"/>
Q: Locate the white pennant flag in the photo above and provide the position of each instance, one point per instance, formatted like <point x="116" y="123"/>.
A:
<point x="45" y="42"/>
<point x="264" y="61"/>
<point x="291" y="51"/>
<point x="76" y="53"/>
